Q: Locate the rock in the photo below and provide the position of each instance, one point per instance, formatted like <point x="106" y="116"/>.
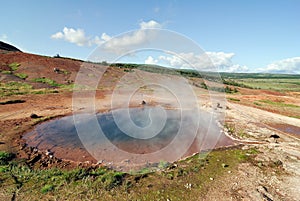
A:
<point x="260" y="164"/>
<point x="274" y="136"/>
<point x="34" y="150"/>
<point x="48" y="153"/>
<point x="144" y="102"/>
<point x="188" y="185"/>
<point x="100" y="162"/>
<point x="224" y="165"/>
<point x="34" y="116"/>
<point x="56" y="70"/>
<point x="35" y="158"/>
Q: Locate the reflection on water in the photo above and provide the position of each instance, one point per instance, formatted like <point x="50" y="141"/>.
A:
<point x="150" y="132"/>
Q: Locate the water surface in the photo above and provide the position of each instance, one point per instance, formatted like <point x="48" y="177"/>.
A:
<point x="149" y="135"/>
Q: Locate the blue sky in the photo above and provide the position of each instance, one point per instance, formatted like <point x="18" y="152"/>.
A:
<point x="250" y="36"/>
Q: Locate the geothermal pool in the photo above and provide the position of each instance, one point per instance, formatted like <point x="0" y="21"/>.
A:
<point x="129" y="137"/>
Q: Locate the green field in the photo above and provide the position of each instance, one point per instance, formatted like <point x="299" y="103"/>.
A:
<point x="272" y="84"/>
<point x="277" y="82"/>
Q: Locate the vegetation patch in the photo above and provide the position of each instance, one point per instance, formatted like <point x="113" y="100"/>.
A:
<point x="182" y="180"/>
<point x="234" y="99"/>
<point x="227" y="89"/>
<point x="21" y="75"/>
<point x="7" y="72"/>
<point x="47" y="81"/>
<point x="279" y="104"/>
<point x="5" y="157"/>
<point x="14" y="88"/>
<point x="14" y="66"/>
<point x="235" y="83"/>
<point x="47" y="188"/>
<point x="256" y="103"/>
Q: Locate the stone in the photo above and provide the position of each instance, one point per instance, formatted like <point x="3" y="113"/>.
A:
<point x="34" y="116"/>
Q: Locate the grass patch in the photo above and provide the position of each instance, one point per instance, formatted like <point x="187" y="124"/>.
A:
<point x="188" y="179"/>
<point x="21" y="75"/>
<point x="279" y="104"/>
<point x="7" y="72"/>
<point x="47" y="81"/>
<point x="21" y="88"/>
<point x="47" y="188"/>
<point x="42" y="119"/>
<point x="268" y="83"/>
<point x="14" y="66"/>
<point x="5" y="157"/>
<point x="14" y="88"/>
<point x="234" y="99"/>
<point x="256" y="103"/>
<point x="44" y="91"/>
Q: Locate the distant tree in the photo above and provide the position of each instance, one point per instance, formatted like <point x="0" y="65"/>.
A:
<point x="57" y="56"/>
<point x="104" y="63"/>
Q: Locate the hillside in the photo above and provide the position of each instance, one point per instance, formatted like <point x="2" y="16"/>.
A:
<point x="8" y="47"/>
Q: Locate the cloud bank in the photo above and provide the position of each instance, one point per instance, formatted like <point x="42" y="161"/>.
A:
<point x="289" y="66"/>
<point x="78" y="37"/>
<point x="210" y="61"/>
<point x="215" y="61"/>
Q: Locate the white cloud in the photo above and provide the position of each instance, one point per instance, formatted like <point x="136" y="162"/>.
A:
<point x="213" y="61"/>
<point x="221" y="58"/>
<point x="289" y="65"/>
<point x="150" y="25"/>
<point x="120" y="45"/>
<point x="78" y="37"/>
<point x="151" y="60"/>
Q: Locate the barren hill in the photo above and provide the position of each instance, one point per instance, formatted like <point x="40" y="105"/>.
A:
<point x="8" y="47"/>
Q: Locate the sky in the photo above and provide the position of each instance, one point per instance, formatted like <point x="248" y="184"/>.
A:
<point x="237" y="35"/>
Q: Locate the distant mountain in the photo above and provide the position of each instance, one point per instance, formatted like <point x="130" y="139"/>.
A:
<point x="8" y="47"/>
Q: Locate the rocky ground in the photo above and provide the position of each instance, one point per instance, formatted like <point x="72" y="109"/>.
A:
<point x="275" y="172"/>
